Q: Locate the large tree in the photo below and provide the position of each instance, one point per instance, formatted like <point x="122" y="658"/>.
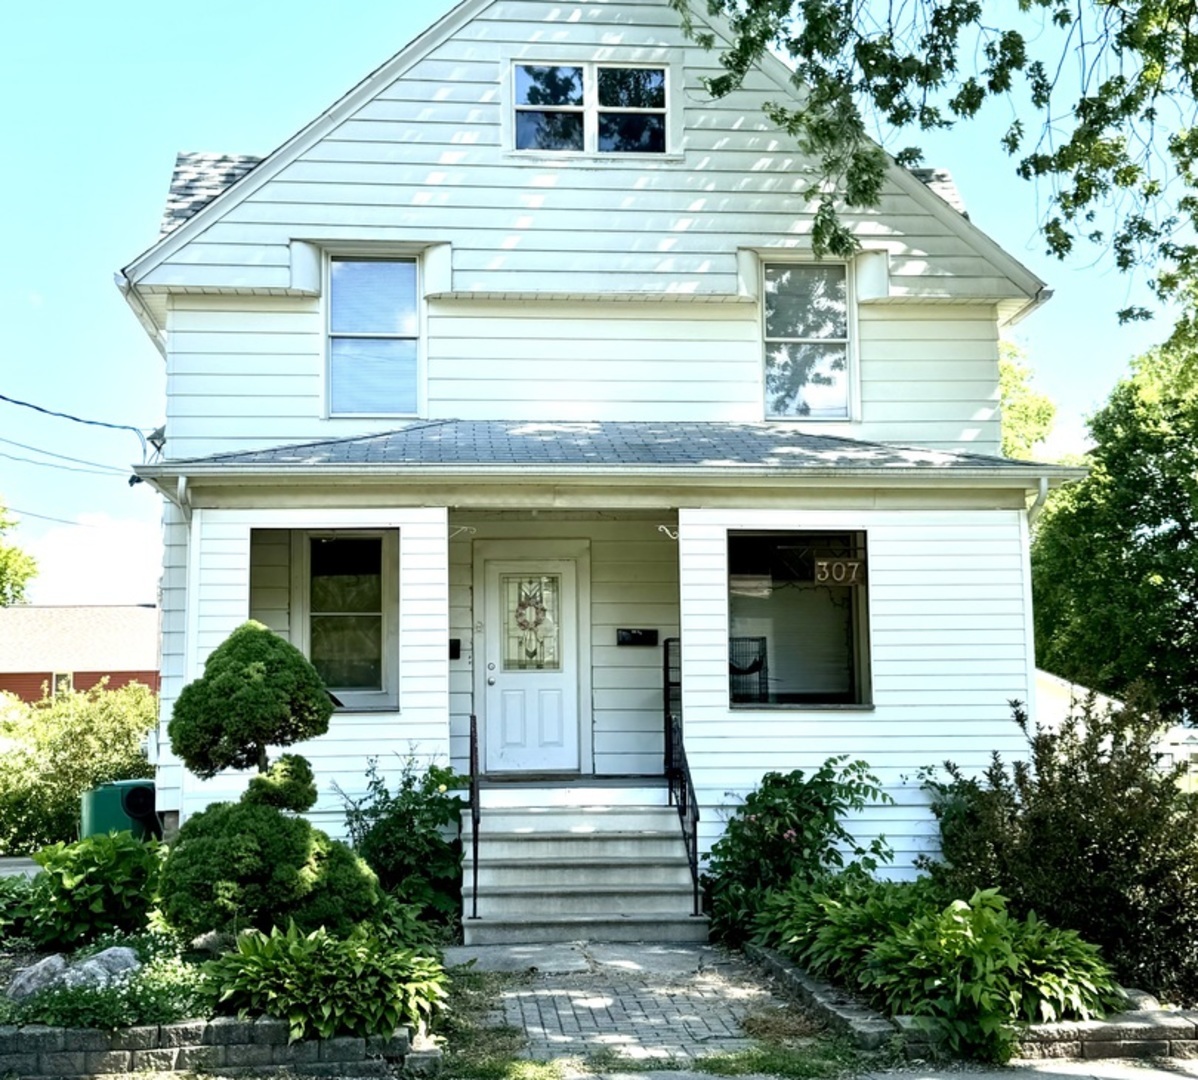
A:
<point x="1115" y="556"/>
<point x="1027" y="414"/>
<point x="16" y="566"/>
<point x="1102" y="106"/>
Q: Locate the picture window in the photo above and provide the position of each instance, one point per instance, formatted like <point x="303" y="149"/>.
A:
<point x="798" y="618"/>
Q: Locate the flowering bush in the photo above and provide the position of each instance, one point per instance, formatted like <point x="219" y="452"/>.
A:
<point x="790" y="826"/>
<point x="409" y="836"/>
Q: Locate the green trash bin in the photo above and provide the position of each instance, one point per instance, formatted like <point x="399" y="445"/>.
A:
<point x="119" y="806"/>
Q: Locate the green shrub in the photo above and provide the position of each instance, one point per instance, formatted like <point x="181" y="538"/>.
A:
<point x="401" y="834"/>
<point x="970" y="973"/>
<point x="91" y="887"/>
<point x="241" y="865"/>
<point x="1091" y="834"/>
<point x="830" y="924"/>
<point x="790" y="826"/>
<point x="326" y="986"/>
<point x="257" y="690"/>
<point x="58" y="748"/>
<point x="14" y="905"/>
<point x="288" y="784"/>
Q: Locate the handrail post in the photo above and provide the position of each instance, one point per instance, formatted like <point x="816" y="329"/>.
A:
<point x="475" y="816"/>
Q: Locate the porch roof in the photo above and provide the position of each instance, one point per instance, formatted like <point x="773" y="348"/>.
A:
<point x="607" y="447"/>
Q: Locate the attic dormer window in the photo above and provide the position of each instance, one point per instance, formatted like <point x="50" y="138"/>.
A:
<point x="590" y="108"/>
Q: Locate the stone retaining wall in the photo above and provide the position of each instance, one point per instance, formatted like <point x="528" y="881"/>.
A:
<point x="225" y="1045"/>
<point x="1145" y="1030"/>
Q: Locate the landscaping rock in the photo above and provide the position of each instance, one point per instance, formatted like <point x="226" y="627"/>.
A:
<point x="54" y="971"/>
<point x="31" y="980"/>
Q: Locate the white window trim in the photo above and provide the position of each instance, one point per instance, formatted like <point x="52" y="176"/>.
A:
<point x="387" y="699"/>
<point x="386" y="255"/>
<point x="852" y="352"/>
<point x="551" y="56"/>
<point x="863" y="646"/>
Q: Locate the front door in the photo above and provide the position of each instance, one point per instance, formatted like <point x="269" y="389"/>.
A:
<point x="530" y="660"/>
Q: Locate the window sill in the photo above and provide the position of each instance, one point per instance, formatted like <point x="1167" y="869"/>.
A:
<point x="543" y="157"/>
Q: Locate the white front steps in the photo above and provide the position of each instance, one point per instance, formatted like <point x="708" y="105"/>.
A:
<point x="568" y="863"/>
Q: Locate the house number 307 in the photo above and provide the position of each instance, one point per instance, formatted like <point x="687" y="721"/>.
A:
<point x="838" y="571"/>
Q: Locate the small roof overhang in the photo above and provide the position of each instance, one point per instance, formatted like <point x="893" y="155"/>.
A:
<point x="611" y="453"/>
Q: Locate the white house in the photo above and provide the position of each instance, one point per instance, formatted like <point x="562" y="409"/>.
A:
<point x="514" y="364"/>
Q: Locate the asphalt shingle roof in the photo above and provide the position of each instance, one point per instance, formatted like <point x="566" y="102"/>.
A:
<point x="78" y="638"/>
<point x="197" y="180"/>
<point x="680" y="445"/>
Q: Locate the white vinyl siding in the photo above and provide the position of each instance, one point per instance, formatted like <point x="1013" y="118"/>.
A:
<point x="246" y="371"/>
<point x="223" y="557"/>
<point x="950" y="644"/>
<point x="620" y="224"/>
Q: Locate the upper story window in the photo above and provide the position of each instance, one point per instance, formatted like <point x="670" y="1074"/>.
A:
<point x="591" y="108"/>
<point x="807" y="346"/>
<point x="373" y="337"/>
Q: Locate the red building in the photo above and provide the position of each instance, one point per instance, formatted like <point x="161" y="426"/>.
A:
<point x="75" y="646"/>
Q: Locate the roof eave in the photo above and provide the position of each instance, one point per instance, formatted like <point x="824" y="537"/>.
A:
<point x="164" y="476"/>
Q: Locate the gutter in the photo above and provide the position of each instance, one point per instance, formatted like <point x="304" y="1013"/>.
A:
<point x="1043" y="295"/>
<point x="1037" y="506"/>
<point x="536" y="472"/>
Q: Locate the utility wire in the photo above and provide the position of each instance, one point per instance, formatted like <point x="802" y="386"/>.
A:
<point x="63" y="457"/>
<point x="80" y="420"/>
<point x="44" y="517"/>
<point x="55" y="465"/>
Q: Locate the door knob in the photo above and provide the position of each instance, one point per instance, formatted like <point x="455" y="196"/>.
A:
<point x="490" y="680"/>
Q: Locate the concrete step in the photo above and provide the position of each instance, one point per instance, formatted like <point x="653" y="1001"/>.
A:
<point x="518" y="901"/>
<point x="568" y="846"/>
<point x="572" y="819"/>
<point x="573" y="795"/>
<point x="663" y="870"/>
<point x="597" y="926"/>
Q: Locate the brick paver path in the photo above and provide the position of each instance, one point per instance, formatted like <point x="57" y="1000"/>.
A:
<point x="638" y="1002"/>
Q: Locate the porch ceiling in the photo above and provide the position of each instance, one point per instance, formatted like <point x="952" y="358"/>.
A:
<point x="610" y="450"/>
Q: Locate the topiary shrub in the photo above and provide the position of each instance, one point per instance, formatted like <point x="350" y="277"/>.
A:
<point x="58" y="748"/>
<point x="257" y="690"/>
<point x="94" y="886"/>
<point x="1091" y="833"/>
<point x="790" y="826"/>
<point x="288" y="784"/>
<point x="242" y="865"/>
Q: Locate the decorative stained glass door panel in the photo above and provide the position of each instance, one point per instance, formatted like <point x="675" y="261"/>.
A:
<point x="531" y="661"/>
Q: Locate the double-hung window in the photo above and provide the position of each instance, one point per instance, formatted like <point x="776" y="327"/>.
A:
<point x="335" y="596"/>
<point x="798" y="619"/>
<point x="807" y="346"/>
<point x="373" y="337"/>
<point x="590" y="108"/>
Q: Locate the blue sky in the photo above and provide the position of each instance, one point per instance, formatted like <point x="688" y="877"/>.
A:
<point x="99" y="97"/>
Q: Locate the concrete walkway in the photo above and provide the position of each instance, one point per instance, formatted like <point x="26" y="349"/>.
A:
<point x="675" y="1003"/>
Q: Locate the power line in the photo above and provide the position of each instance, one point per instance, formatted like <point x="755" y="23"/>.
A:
<point x="79" y="420"/>
<point x="55" y="465"/>
<point x="63" y="457"/>
<point x="45" y="517"/>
